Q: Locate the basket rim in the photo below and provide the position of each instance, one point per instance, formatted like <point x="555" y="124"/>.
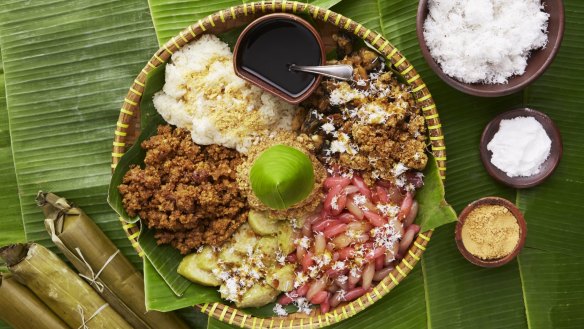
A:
<point x="128" y="125"/>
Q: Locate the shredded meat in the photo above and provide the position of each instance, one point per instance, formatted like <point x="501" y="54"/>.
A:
<point x="187" y="192"/>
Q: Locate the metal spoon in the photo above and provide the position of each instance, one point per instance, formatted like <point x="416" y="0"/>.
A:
<point x="341" y="71"/>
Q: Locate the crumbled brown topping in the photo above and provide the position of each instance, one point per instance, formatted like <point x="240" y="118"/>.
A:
<point x="187" y="192"/>
<point x="371" y="124"/>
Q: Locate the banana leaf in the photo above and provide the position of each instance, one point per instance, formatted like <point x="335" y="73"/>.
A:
<point x="11" y="226"/>
<point x="68" y="65"/>
<point x="75" y="114"/>
<point x="65" y="102"/>
<point x="170" y="16"/>
<point x="22" y="308"/>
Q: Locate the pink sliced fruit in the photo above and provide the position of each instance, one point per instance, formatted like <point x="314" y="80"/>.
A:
<point x="332" y="195"/>
<point x="360" y="184"/>
<point x="336" y="180"/>
<point x="346" y="217"/>
<point x="406" y="206"/>
<point x="375" y="219"/>
<point x="382" y="194"/>
<point x="335" y="230"/>
<point x="354" y="209"/>
<point x="323" y="225"/>
<point x="341" y="203"/>
<point x="354" y="293"/>
<point x="375" y="253"/>
<point x="319" y="297"/>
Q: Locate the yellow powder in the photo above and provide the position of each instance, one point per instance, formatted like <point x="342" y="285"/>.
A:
<point x="490" y="232"/>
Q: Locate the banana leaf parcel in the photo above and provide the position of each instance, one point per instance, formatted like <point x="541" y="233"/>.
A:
<point x="61" y="289"/>
<point x="22" y="309"/>
<point x="97" y="259"/>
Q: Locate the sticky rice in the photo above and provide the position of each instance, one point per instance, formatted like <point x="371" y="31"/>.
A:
<point x="203" y="94"/>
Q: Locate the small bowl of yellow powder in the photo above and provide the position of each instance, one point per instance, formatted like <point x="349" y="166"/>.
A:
<point x="490" y="232"/>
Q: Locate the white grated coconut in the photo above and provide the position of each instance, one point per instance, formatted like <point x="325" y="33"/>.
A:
<point x="484" y="41"/>
<point x="203" y="94"/>
<point x="520" y="147"/>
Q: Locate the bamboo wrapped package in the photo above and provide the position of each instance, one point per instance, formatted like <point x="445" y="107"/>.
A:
<point x="96" y="257"/>
<point x="22" y="309"/>
<point x="61" y="289"/>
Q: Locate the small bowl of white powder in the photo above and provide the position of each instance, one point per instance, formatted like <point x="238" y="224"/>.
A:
<point x="521" y="147"/>
<point x="490" y="48"/>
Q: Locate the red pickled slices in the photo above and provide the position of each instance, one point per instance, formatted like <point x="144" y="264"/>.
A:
<point x="336" y="181"/>
<point x="360" y="184"/>
<point x="330" y="202"/>
<point x="374" y="218"/>
<point x="335" y="230"/>
<point x="354" y="209"/>
<point x="355" y="240"/>
<point x="323" y="225"/>
<point x="406" y="206"/>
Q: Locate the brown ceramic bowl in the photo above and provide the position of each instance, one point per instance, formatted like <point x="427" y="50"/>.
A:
<point x="258" y="81"/>
<point x="538" y="62"/>
<point x="483" y="202"/>
<point x="549" y="165"/>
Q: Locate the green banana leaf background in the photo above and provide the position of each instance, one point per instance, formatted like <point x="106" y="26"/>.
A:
<point x="66" y="66"/>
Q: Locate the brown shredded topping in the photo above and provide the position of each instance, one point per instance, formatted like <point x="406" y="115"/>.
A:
<point x="187" y="192"/>
<point x="371" y="124"/>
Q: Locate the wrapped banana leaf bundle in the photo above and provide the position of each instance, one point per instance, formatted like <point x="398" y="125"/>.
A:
<point x="99" y="261"/>
<point x="61" y="289"/>
<point x="22" y="309"/>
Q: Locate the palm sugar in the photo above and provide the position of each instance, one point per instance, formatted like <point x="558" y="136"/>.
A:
<point x="490" y="232"/>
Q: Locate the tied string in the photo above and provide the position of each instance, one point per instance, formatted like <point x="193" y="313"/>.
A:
<point x="78" y="262"/>
<point x="94" y="276"/>
<point x="82" y="313"/>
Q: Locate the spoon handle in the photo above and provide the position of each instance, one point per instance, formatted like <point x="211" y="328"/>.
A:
<point x="341" y="71"/>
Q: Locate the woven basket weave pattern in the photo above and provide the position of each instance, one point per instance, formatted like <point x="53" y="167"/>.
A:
<point x="128" y="129"/>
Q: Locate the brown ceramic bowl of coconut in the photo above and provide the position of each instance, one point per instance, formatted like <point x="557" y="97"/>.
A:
<point x="521" y="148"/>
<point x="486" y="51"/>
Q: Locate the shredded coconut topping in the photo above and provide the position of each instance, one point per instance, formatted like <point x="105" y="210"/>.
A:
<point x="328" y="128"/>
<point x="343" y="95"/>
<point x="279" y="310"/>
<point x="338" y="265"/>
<point x="304" y="242"/>
<point x="387" y="235"/>
<point x="484" y="41"/>
<point x="388" y="210"/>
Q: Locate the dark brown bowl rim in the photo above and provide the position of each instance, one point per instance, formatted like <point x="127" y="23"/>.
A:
<point x="490" y="201"/>
<point x="549" y="165"/>
<point x="495" y="90"/>
<point x="265" y="86"/>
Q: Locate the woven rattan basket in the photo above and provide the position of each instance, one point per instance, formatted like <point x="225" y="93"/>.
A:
<point x="128" y="129"/>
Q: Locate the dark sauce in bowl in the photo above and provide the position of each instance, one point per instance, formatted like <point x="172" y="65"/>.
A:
<point x="266" y="49"/>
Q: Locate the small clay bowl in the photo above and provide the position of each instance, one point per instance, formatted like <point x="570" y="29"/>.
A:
<point x="538" y="61"/>
<point x="484" y="202"/>
<point x="263" y="82"/>
<point x="547" y="167"/>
